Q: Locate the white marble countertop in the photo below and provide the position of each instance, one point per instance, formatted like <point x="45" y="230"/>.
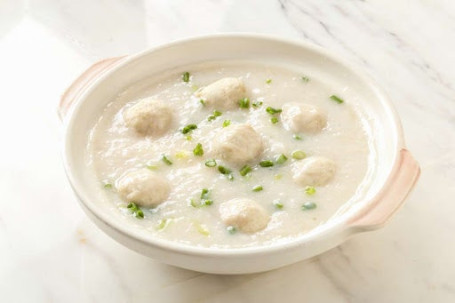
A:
<point x="51" y="252"/>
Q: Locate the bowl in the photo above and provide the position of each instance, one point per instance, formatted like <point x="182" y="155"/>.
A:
<point x="395" y="175"/>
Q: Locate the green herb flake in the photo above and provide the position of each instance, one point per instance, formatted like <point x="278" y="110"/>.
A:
<point x="107" y="185"/>
<point x="189" y="138"/>
<point x="278" y="204"/>
<point x="309" y="205"/>
<point x="194" y="203"/>
<point x="244" y="103"/>
<point x="226" y="123"/>
<point x="298" y="155"/>
<point x="268" y="81"/>
<point x="189" y="128"/>
<point x="166" y="160"/>
<point x="245" y="170"/>
<point x="186" y="77"/>
<point x="152" y="166"/>
<point x="163" y="223"/>
<point x="266" y="163"/>
<point x="210" y="163"/>
<point x="258" y="188"/>
<point x="198" y="150"/>
<point x="274" y="120"/>
<point x="305" y="79"/>
<point x="273" y="111"/>
<point x="205" y="193"/>
<point x="336" y="99"/>
<point x="135" y="210"/>
<point x="223" y="170"/>
<point x="202" y="102"/>
<point x="257" y="104"/>
<point x="297" y="137"/>
<point x="231" y="229"/>
<point x="230" y="177"/>
<point x="207" y="202"/>
<point x="214" y="115"/>
<point x="281" y="159"/>
<point x="310" y="190"/>
<point x="202" y="229"/>
<point x="194" y="87"/>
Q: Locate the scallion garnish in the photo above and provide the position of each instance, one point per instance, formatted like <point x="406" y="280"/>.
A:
<point x="258" y="188"/>
<point x="205" y="193"/>
<point x="163" y="223"/>
<point x="227" y="172"/>
<point x="166" y="160"/>
<point x="298" y="155"/>
<point x="297" y="137"/>
<point x="189" y="138"/>
<point x="336" y="99"/>
<point x="309" y="205"/>
<point x="186" y="77"/>
<point x="273" y="111"/>
<point x="107" y="185"/>
<point x="310" y="190"/>
<point x="245" y="170"/>
<point x="281" y="159"/>
<point x="274" y="120"/>
<point x="135" y="210"/>
<point x="189" y="128"/>
<point x="257" y="104"/>
<point x="210" y="163"/>
<point x="278" y="204"/>
<point x="226" y="123"/>
<point x="244" y="103"/>
<point x="268" y="81"/>
<point x="202" y="102"/>
<point x="198" y="150"/>
<point x="266" y="163"/>
<point x="231" y="229"/>
<point x="214" y="115"/>
<point x="305" y="79"/>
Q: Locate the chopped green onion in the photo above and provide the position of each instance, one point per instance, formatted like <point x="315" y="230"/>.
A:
<point x="258" y="188"/>
<point x="268" y="81"/>
<point x="202" y="229"/>
<point x="194" y="87"/>
<point x="297" y="137"/>
<point x="224" y="170"/>
<point x="266" y="163"/>
<point x="181" y="155"/>
<point x="257" y="104"/>
<point x="193" y="203"/>
<point x="214" y="115"/>
<point x="230" y="177"/>
<point x="231" y="229"/>
<point x="298" y="155"/>
<point x="198" y="151"/>
<point x="273" y="111"/>
<point x="308" y="205"/>
<point x="163" y="223"/>
<point x="135" y="210"/>
<point x="278" y="204"/>
<point x="281" y="159"/>
<point x="205" y="193"/>
<point x="166" y="160"/>
<point x="305" y="79"/>
<point x="226" y="123"/>
<point x="107" y="185"/>
<point x="186" y="77"/>
<point x="151" y="166"/>
<point x="244" y="103"/>
<point x="202" y="102"/>
<point x="274" y="120"/>
<point x="189" y="138"/>
<point x="310" y="190"/>
<point x="210" y="163"/>
<point x="245" y="170"/>
<point x="188" y="128"/>
<point x="336" y="99"/>
<point x="207" y="202"/>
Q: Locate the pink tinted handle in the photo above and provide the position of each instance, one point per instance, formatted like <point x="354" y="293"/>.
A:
<point x="82" y="82"/>
<point x="403" y="178"/>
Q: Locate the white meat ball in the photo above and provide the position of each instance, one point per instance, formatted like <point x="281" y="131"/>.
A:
<point x="238" y="144"/>
<point x="314" y="171"/>
<point x="245" y="214"/>
<point x="149" y="117"/>
<point x="143" y="187"/>
<point x="223" y="94"/>
<point x="303" y="118"/>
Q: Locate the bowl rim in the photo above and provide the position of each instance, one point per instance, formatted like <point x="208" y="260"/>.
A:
<point x="333" y="226"/>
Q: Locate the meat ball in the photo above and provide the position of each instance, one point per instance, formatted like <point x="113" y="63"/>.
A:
<point x="238" y="144"/>
<point x="314" y="171"/>
<point x="303" y="118"/>
<point x="245" y="214"/>
<point x="223" y="94"/>
<point x="149" y="117"/>
<point x="143" y="187"/>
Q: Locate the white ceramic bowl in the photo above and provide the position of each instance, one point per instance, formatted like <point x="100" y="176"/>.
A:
<point x="395" y="175"/>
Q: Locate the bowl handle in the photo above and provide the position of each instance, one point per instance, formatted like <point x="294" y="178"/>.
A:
<point x="82" y="82"/>
<point x="403" y="178"/>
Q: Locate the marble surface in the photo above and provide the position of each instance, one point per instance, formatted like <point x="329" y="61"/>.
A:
<point x="51" y="252"/>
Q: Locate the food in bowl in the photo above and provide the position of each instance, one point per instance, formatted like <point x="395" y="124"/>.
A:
<point x="230" y="154"/>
